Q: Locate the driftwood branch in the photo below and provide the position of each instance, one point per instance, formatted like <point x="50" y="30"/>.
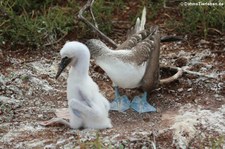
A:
<point x="185" y="69"/>
<point x="89" y="5"/>
<point x="172" y="78"/>
<point x="180" y="72"/>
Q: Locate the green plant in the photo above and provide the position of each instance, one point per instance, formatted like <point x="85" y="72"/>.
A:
<point x="34" y="23"/>
<point x="118" y="5"/>
<point x="153" y="8"/>
<point x="202" y="18"/>
<point x="217" y="143"/>
<point x="103" y="13"/>
<point x="95" y="144"/>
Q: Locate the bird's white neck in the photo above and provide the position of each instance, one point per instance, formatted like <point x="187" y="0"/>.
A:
<point x="79" y="68"/>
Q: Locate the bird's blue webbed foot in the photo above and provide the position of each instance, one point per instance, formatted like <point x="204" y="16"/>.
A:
<point x="120" y="103"/>
<point x="141" y="105"/>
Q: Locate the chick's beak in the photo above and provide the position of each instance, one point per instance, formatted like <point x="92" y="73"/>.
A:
<point x="62" y="65"/>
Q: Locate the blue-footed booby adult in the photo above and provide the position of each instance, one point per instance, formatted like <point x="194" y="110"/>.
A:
<point x="135" y="63"/>
<point x="88" y="108"/>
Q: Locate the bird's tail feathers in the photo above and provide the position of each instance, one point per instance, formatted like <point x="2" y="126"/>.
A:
<point x="143" y="19"/>
<point x="139" y="25"/>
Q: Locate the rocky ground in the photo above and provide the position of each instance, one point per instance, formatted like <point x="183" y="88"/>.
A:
<point x="191" y="110"/>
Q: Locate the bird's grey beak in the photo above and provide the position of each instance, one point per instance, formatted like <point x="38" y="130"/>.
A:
<point x="62" y="65"/>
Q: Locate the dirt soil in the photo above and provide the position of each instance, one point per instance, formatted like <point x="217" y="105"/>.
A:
<point x="190" y="111"/>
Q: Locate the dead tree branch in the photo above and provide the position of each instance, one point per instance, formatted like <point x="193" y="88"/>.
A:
<point x="172" y="78"/>
<point x="180" y="72"/>
<point x="89" y="5"/>
<point x="92" y="14"/>
<point x="197" y="73"/>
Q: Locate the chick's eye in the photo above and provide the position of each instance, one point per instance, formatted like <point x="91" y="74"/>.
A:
<point x="66" y="59"/>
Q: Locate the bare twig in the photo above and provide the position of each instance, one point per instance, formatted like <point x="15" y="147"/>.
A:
<point x="88" y="23"/>
<point x="212" y="29"/>
<point x="92" y="14"/>
<point x="180" y="72"/>
<point x="197" y="73"/>
<point x="216" y="30"/>
<point x="28" y="61"/>
<point x="51" y="43"/>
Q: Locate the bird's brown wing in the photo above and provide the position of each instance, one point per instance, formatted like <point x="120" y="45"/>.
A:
<point x="134" y="39"/>
<point x="140" y="50"/>
<point x="151" y="77"/>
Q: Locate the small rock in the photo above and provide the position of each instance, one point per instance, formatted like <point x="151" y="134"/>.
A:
<point x="27" y="115"/>
<point x="30" y="92"/>
<point x="202" y="41"/>
<point x="190" y="89"/>
<point x="177" y="99"/>
<point x="60" y="141"/>
<point x="180" y="90"/>
<point x="40" y="115"/>
<point x="37" y="102"/>
<point x="203" y="69"/>
<point x="171" y="91"/>
<point x="218" y="97"/>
